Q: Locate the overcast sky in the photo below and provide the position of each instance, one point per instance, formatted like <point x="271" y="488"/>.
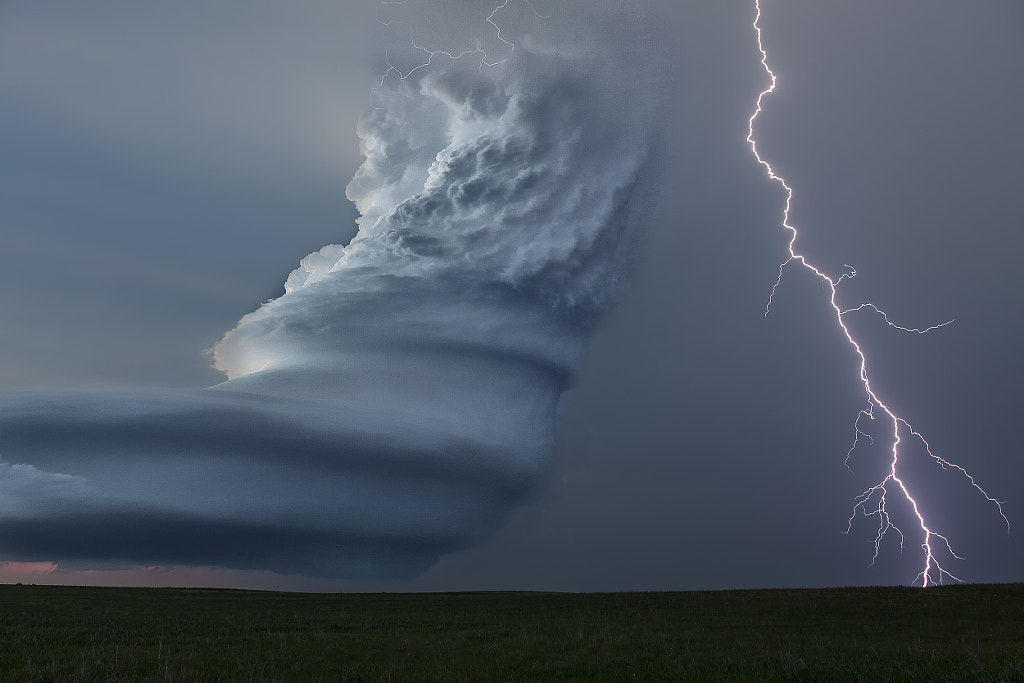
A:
<point x="164" y="167"/>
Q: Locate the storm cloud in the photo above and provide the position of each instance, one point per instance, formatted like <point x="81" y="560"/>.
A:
<point x="398" y="401"/>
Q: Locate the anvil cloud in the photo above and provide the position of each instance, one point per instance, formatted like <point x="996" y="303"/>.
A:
<point x="398" y="400"/>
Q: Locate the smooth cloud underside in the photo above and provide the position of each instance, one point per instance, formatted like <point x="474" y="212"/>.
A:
<point x="398" y="401"/>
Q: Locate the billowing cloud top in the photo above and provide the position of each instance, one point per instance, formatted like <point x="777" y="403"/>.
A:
<point x="399" y="399"/>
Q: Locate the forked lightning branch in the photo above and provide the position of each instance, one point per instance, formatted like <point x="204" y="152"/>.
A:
<point x="878" y="500"/>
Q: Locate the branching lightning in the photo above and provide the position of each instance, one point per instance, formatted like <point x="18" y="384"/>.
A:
<point x="485" y="60"/>
<point x="874" y="501"/>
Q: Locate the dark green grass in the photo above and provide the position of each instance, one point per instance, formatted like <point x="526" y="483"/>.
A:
<point x="958" y="633"/>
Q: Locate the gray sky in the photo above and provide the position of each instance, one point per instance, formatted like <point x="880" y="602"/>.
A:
<point x="163" y="169"/>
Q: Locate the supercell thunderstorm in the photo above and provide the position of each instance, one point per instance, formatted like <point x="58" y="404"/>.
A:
<point x="397" y="402"/>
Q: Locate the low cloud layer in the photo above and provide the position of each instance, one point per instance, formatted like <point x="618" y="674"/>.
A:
<point x="398" y="401"/>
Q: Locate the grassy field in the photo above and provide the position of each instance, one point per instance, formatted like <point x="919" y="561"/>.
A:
<point x="957" y="633"/>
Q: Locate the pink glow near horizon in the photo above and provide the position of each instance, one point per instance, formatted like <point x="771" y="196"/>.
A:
<point x="50" y="573"/>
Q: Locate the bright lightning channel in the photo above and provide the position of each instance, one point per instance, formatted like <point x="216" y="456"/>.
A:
<point x="874" y="501"/>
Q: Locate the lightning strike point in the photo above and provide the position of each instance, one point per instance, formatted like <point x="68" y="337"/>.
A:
<point x="875" y="500"/>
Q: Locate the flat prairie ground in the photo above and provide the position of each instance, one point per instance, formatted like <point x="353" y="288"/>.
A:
<point x="954" y="633"/>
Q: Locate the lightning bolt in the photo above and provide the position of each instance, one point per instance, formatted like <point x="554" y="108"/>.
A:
<point x="431" y="54"/>
<point x="874" y="501"/>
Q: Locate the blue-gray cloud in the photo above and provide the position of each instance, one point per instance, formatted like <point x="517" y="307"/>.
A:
<point x="398" y="401"/>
